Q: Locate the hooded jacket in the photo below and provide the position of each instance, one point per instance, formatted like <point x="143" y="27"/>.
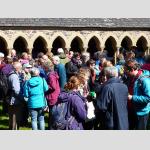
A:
<point x="76" y="108"/>
<point x="34" y="90"/>
<point x="141" y="93"/>
<point x="54" y="88"/>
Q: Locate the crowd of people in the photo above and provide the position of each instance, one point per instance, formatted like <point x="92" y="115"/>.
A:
<point x="78" y="91"/>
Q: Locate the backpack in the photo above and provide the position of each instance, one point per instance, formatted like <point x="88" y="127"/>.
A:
<point x="60" y="119"/>
<point x="141" y="79"/>
<point x="3" y="83"/>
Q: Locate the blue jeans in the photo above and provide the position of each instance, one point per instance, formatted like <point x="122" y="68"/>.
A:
<point x="37" y="118"/>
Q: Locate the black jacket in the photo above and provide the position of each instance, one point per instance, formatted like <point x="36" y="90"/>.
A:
<point x="112" y="102"/>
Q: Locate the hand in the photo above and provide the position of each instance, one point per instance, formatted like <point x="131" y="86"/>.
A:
<point x="129" y="97"/>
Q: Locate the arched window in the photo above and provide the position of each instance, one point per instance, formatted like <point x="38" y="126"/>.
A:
<point x="58" y="43"/>
<point x="77" y="45"/>
<point x="20" y="45"/>
<point x="3" y="46"/>
<point x="39" y="45"/>
<point x="93" y="45"/>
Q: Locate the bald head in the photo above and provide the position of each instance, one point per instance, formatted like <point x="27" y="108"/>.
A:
<point x="17" y="66"/>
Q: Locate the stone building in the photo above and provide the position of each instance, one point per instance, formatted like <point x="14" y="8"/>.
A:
<point x="35" y="35"/>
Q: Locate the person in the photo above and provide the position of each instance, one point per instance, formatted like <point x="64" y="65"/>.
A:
<point x="146" y="66"/>
<point x="76" y="107"/>
<point x="73" y="66"/>
<point x="54" y="88"/>
<point x="111" y="103"/>
<point x="33" y="91"/>
<point x="60" y="69"/>
<point x="14" y="98"/>
<point x="63" y="58"/>
<point x="140" y="97"/>
<point x="24" y="58"/>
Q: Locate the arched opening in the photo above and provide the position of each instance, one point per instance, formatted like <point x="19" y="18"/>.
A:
<point x="3" y="46"/>
<point x="126" y="43"/>
<point x="110" y="46"/>
<point x="39" y="45"/>
<point x="58" y="43"/>
<point x="20" y="45"/>
<point x="93" y="46"/>
<point x="141" y="44"/>
<point x="77" y="45"/>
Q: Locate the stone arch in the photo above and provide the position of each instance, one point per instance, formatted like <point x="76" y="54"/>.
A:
<point x="113" y="36"/>
<point x="80" y="36"/>
<point x="22" y="35"/>
<point x="43" y="36"/>
<point x="4" y="46"/>
<point x="59" y="42"/>
<point x="93" y="45"/>
<point x="126" y="43"/>
<point x="59" y="34"/>
<point x="142" y="43"/>
<point x="39" y="45"/>
<point x="77" y="45"/>
<point x="111" y="46"/>
<point x="20" y="45"/>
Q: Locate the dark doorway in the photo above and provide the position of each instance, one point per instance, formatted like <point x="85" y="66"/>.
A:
<point x="141" y="44"/>
<point x="126" y="43"/>
<point x="110" y="46"/>
<point x="58" y="43"/>
<point x="93" y="46"/>
<point x="20" y="45"/>
<point x="39" y="45"/>
<point x="77" y="45"/>
<point x="3" y="46"/>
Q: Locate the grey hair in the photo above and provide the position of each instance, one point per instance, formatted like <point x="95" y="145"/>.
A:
<point x="56" y="58"/>
<point x="34" y="71"/>
<point x="111" y="72"/>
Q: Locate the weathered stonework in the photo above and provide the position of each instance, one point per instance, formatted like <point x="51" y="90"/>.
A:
<point x="50" y="35"/>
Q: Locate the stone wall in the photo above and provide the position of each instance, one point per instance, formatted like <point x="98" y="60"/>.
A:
<point x="49" y="36"/>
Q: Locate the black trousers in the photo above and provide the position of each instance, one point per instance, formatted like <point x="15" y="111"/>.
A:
<point x="142" y="122"/>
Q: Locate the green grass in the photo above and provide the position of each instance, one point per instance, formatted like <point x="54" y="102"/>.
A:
<point x="4" y="121"/>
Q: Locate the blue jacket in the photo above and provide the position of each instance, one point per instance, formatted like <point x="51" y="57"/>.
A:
<point x="112" y="102"/>
<point x="60" y="69"/>
<point x="141" y="94"/>
<point x="34" y="90"/>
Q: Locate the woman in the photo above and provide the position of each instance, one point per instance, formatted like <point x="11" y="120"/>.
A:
<point x="76" y="106"/>
<point x="34" y="90"/>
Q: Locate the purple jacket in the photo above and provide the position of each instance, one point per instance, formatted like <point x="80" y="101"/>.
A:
<point x="77" y="108"/>
<point x="7" y="69"/>
<point x="54" y="88"/>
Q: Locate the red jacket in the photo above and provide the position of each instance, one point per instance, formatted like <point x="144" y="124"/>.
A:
<point x="54" y="88"/>
<point x="146" y="67"/>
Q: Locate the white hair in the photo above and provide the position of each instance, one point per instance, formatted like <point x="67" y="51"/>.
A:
<point x="56" y="58"/>
<point x="111" y="72"/>
<point x="34" y="71"/>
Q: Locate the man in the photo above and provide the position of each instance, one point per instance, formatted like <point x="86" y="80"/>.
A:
<point x="112" y="102"/>
<point x="140" y="96"/>
<point x="60" y="69"/>
<point x="14" y="100"/>
<point x="63" y="58"/>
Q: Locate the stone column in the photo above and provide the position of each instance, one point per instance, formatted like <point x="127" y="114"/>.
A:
<point x="9" y="51"/>
<point x="30" y="50"/>
<point x="85" y="49"/>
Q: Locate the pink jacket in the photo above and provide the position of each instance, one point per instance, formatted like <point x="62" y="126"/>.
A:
<point x="54" y="88"/>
